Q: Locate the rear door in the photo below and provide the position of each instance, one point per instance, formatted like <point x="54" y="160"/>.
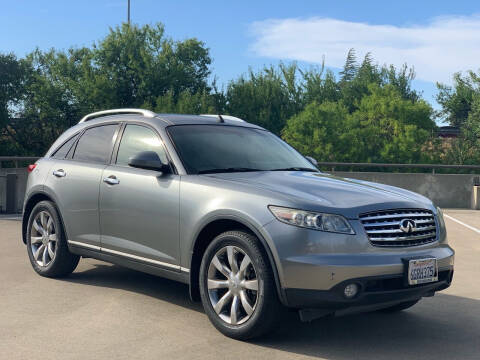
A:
<point x="139" y="209"/>
<point x="75" y="181"/>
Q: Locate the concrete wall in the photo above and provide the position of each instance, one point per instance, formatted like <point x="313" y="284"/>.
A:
<point x="448" y="191"/>
<point x="21" y="177"/>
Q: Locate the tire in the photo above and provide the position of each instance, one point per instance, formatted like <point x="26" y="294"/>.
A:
<point x="265" y="303"/>
<point x="399" y="307"/>
<point x="41" y="245"/>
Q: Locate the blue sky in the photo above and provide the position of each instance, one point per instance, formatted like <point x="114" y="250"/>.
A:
<point x="437" y="37"/>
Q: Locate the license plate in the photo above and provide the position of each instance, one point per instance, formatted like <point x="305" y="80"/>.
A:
<point x="421" y="271"/>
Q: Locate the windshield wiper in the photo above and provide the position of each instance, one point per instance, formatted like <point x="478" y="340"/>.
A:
<point x="227" y="170"/>
<point x="296" y="169"/>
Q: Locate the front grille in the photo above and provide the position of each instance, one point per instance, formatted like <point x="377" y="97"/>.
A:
<point x="384" y="227"/>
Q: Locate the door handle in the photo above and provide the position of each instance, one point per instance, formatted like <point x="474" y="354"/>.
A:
<point x="111" y="180"/>
<point x="60" y="173"/>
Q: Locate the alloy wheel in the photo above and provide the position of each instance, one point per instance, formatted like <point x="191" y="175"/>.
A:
<point x="43" y="238"/>
<point x="232" y="285"/>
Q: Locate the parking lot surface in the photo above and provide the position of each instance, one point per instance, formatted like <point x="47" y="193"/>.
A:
<point x="104" y="311"/>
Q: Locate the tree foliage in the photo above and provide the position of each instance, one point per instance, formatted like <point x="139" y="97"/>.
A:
<point x="461" y="108"/>
<point x="366" y="113"/>
<point x="267" y="98"/>
<point x="131" y="67"/>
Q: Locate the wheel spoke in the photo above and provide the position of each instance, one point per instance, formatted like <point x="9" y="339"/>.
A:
<point x="250" y="284"/>
<point x="37" y="227"/>
<point x="43" y="220"/>
<point x="220" y="267"/>
<point x="45" y="256"/>
<point x="245" y="262"/>
<point x="222" y="302"/>
<point x="39" y="252"/>
<point x="52" y="237"/>
<point x="217" y="284"/>
<point x="35" y="239"/>
<point x="245" y="304"/>
<point x="231" y="259"/>
<point x="51" y="253"/>
<point x="234" y="310"/>
<point x="49" y="224"/>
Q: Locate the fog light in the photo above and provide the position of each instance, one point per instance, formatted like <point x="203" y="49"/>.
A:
<point x="350" y="290"/>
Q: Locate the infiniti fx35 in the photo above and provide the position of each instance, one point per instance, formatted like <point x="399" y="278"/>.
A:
<point x="230" y="209"/>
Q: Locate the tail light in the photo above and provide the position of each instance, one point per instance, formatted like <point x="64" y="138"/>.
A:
<point x="31" y="167"/>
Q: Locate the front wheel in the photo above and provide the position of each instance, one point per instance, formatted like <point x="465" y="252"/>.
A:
<point x="237" y="286"/>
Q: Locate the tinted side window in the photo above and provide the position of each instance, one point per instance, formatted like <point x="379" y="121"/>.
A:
<point x="96" y="144"/>
<point x="136" y="139"/>
<point x="63" y="150"/>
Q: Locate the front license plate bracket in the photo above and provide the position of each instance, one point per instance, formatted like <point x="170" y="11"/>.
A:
<point x="421" y="270"/>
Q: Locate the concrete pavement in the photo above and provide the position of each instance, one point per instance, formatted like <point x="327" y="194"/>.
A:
<point x="103" y="311"/>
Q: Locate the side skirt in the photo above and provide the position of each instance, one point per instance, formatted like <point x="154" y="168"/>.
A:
<point x="136" y="263"/>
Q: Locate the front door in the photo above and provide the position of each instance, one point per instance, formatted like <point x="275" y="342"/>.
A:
<point x="139" y="208"/>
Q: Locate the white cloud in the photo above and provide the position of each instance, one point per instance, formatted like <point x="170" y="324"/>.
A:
<point x="438" y="49"/>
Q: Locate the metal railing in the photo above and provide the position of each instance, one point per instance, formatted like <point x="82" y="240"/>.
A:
<point x="333" y="165"/>
<point x="17" y="160"/>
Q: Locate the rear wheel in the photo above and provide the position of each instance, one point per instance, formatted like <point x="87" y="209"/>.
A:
<point x="46" y="243"/>
<point x="399" y="307"/>
<point x="237" y="287"/>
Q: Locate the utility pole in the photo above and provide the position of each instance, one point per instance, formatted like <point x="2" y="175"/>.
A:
<point x="128" y="16"/>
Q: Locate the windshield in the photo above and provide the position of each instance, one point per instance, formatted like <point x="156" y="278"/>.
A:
<point x="218" y="148"/>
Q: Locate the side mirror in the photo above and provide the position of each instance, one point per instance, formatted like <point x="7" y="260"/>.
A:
<point x="312" y="160"/>
<point x="148" y="160"/>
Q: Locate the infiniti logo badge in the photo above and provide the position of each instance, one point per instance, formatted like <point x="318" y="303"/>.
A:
<point x="408" y="225"/>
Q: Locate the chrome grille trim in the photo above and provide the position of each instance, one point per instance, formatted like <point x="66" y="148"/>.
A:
<point x="383" y="227"/>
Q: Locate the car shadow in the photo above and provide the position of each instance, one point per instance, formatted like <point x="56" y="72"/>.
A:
<point x="118" y="277"/>
<point x="442" y="327"/>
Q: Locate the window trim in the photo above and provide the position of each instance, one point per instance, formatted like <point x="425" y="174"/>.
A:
<point x="115" y="135"/>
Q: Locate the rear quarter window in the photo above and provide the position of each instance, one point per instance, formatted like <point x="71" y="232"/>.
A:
<point x="63" y="150"/>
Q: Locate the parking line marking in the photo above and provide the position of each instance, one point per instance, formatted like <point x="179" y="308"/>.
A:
<point x="462" y="223"/>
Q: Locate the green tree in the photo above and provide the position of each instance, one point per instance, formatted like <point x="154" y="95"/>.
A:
<point x="131" y="67"/>
<point x="350" y="68"/>
<point x="317" y="130"/>
<point x="457" y="100"/>
<point x="267" y="98"/>
<point x="385" y="128"/>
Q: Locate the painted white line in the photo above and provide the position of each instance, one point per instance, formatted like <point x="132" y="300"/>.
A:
<point x="462" y="223"/>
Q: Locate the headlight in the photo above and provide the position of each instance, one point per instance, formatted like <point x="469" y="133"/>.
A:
<point x="312" y="220"/>
<point x="441" y="221"/>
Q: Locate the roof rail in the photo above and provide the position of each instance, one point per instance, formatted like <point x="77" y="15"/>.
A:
<point x="146" y="113"/>
<point x="224" y="117"/>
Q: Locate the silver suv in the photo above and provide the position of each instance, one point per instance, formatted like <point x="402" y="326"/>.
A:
<point x="230" y="209"/>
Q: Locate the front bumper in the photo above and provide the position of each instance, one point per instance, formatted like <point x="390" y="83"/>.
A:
<point x="314" y="266"/>
<point x="374" y="290"/>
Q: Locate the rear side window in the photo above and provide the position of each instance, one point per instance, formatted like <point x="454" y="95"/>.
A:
<point x="96" y="144"/>
<point x="136" y="139"/>
<point x="63" y="150"/>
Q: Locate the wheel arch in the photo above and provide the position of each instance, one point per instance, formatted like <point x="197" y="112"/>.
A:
<point x="214" y="228"/>
<point x="33" y="200"/>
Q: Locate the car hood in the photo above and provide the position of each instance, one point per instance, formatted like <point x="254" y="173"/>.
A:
<point x="325" y="192"/>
